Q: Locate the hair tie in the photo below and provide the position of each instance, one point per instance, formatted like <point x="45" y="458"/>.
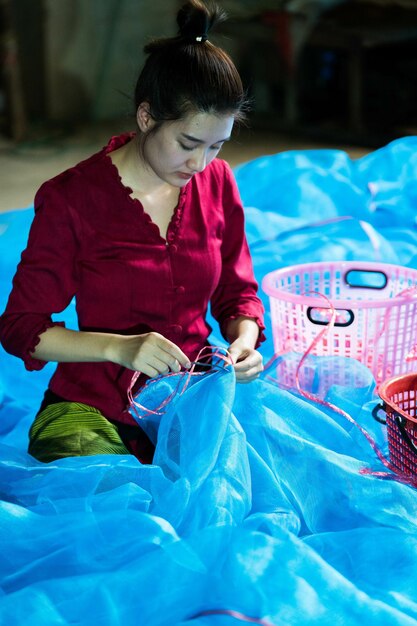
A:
<point x="201" y="38"/>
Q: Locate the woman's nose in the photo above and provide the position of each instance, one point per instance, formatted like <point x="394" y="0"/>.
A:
<point x="198" y="161"/>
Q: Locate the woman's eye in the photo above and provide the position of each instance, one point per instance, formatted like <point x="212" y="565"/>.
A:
<point x="189" y="148"/>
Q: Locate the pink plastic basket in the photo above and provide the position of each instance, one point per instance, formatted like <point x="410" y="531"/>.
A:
<point x="376" y="313"/>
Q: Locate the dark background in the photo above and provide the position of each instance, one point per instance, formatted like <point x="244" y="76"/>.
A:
<point x="330" y="69"/>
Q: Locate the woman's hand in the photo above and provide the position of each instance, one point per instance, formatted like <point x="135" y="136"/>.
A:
<point x="150" y="353"/>
<point x="247" y="362"/>
<point x="243" y="334"/>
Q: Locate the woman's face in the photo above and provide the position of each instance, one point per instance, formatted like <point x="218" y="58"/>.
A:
<point x="178" y="150"/>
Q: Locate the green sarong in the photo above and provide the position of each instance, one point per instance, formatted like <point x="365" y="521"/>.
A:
<point x="72" y="429"/>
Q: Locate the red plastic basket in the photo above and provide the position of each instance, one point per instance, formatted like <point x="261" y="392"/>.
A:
<point x="399" y="396"/>
<point x="376" y="313"/>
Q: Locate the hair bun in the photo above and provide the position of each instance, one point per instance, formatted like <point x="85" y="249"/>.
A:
<point x="195" y="19"/>
<point x="183" y="75"/>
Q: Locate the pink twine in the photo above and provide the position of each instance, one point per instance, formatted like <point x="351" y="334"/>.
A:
<point x="235" y="614"/>
<point x="184" y="378"/>
<point x="412" y="354"/>
<point x="397" y="476"/>
<point x="408" y="294"/>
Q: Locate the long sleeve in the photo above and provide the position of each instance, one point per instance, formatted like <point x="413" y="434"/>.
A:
<point x="45" y="280"/>
<point x="236" y="292"/>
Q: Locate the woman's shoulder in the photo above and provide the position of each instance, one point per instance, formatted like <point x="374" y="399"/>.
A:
<point x="216" y="184"/>
<point x="217" y="172"/>
<point x="90" y="171"/>
<point x="71" y="178"/>
<point x="219" y="167"/>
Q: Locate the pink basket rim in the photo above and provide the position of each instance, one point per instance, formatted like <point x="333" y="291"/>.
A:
<point x="306" y="300"/>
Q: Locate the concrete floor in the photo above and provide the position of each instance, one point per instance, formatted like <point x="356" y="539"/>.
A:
<point x="23" y="167"/>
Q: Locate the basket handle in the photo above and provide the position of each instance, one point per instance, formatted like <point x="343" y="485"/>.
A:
<point x="404" y="434"/>
<point x="312" y="311"/>
<point x="375" y="410"/>
<point x="361" y="283"/>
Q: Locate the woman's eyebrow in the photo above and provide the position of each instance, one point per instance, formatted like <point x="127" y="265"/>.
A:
<point x="191" y="138"/>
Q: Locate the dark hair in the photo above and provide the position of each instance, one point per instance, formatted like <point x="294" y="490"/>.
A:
<point x="189" y="73"/>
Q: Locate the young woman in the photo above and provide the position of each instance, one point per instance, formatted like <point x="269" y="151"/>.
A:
<point x="144" y="234"/>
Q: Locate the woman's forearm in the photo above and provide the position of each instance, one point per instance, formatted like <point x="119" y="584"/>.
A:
<point x="244" y="329"/>
<point x="70" y="346"/>
<point x="150" y="353"/>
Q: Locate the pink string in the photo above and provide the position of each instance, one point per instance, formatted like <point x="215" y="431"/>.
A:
<point x="184" y="378"/>
<point x="408" y="294"/>
<point x="329" y="405"/>
<point x="397" y="475"/>
<point x="412" y="354"/>
<point x="236" y="614"/>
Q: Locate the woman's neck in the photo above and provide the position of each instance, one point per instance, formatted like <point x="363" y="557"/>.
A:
<point x="134" y="171"/>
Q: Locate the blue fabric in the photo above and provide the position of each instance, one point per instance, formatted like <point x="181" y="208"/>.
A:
<point x="255" y="502"/>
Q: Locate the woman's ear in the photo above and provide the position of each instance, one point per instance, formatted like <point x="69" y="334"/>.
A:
<point x="144" y="118"/>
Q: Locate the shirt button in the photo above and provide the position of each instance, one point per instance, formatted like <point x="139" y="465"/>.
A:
<point x="176" y="328"/>
<point x="170" y="236"/>
<point x="179" y="289"/>
<point x="173" y="247"/>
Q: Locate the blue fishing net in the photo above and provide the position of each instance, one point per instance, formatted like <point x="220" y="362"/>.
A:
<point x="259" y="505"/>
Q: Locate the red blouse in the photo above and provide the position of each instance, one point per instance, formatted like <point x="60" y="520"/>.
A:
<point x="92" y="241"/>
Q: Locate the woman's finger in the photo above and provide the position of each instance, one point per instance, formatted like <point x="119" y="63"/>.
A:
<point x="176" y="354"/>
